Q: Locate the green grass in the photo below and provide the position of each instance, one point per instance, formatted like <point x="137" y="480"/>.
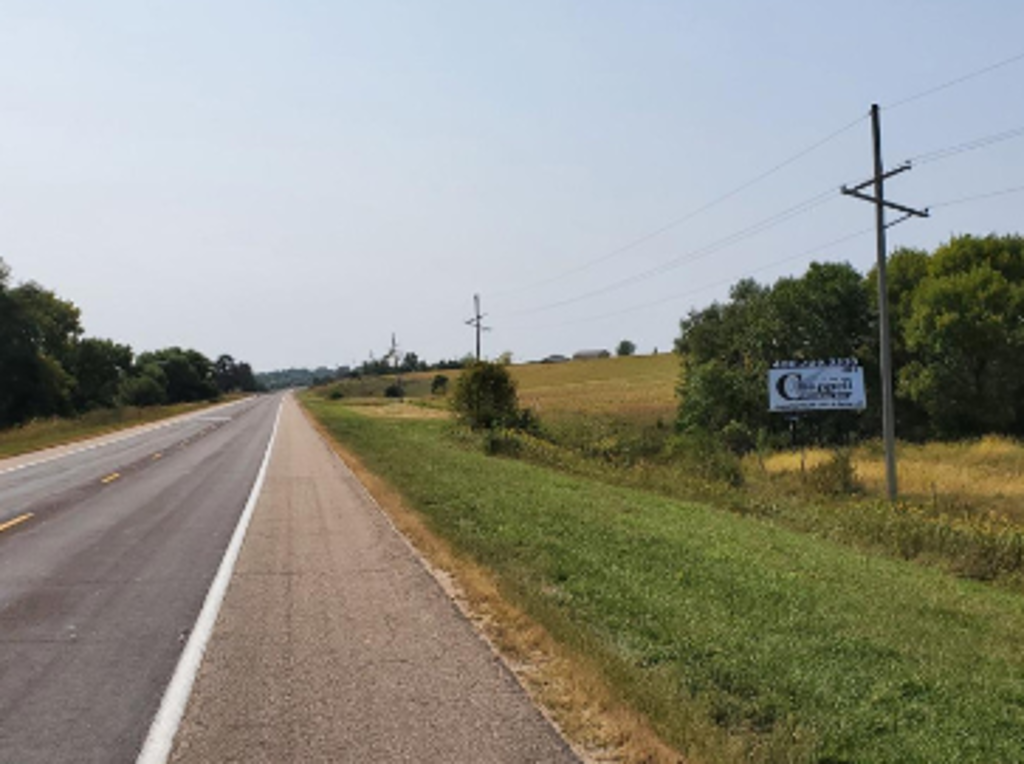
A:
<point x="740" y="640"/>
<point x="54" y="432"/>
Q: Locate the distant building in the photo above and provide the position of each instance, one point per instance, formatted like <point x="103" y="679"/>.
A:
<point x="589" y="355"/>
<point x="556" y="358"/>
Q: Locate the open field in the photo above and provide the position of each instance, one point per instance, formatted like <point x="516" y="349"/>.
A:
<point x="55" y="432"/>
<point x="637" y="388"/>
<point x="739" y="639"/>
<point x="612" y="420"/>
<point x="975" y="477"/>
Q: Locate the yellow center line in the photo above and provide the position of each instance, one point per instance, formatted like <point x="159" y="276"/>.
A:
<point x="16" y="521"/>
<point x="111" y="477"/>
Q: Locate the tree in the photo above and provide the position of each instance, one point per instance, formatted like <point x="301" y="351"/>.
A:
<point x="146" y="387"/>
<point x="965" y="338"/>
<point x="36" y="331"/>
<point x="485" y="397"/>
<point x="439" y="384"/>
<point x="189" y="374"/>
<point x="99" y="368"/>
<point x="728" y="348"/>
<point x="625" y="348"/>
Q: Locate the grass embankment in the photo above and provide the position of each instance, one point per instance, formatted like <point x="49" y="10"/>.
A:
<point x="611" y="419"/>
<point x="738" y="639"/>
<point x="45" y="433"/>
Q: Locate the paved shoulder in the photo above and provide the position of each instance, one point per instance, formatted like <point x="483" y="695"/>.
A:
<point x="334" y="644"/>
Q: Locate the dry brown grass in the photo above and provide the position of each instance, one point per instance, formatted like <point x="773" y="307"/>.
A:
<point x="564" y="684"/>
<point x="985" y="475"/>
<point x="640" y="388"/>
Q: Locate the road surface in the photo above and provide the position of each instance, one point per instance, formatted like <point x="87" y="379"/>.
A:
<point x="106" y="554"/>
<point x="333" y="644"/>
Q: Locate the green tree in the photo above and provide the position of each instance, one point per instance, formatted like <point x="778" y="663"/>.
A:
<point x="727" y="349"/>
<point x="485" y="397"/>
<point x="189" y="374"/>
<point x="36" y="330"/>
<point x="99" y="368"/>
<point x="147" y="386"/>
<point x="625" y="348"/>
<point x="965" y="338"/>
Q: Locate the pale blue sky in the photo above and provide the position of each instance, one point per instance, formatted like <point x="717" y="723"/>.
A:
<point x="292" y="181"/>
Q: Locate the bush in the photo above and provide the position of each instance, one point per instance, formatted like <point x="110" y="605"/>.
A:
<point x="738" y="438"/>
<point x="394" y="390"/>
<point x="439" y="385"/>
<point x="142" y="391"/>
<point x="485" y="397"/>
<point x="835" y="477"/>
<point x="705" y="456"/>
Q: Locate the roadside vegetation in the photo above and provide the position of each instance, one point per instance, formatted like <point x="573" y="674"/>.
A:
<point x="44" y="433"/>
<point x="739" y="577"/>
<point x="738" y="639"/>
<point x="49" y="369"/>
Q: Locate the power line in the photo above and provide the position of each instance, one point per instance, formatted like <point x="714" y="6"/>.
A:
<point x="978" y="197"/>
<point x="690" y="215"/>
<point x="763" y="225"/>
<point x="712" y="285"/>
<point x="954" y="82"/>
<point x="977" y="143"/>
<point x="766" y="266"/>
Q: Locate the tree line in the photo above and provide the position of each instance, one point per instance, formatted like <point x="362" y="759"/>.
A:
<point x="48" y="368"/>
<point x="957" y="322"/>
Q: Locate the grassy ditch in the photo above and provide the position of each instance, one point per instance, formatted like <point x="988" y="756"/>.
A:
<point x="44" y="433"/>
<point x="740" y="640"/>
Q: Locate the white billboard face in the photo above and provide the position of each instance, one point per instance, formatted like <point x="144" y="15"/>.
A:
<point x="816" y="386"/>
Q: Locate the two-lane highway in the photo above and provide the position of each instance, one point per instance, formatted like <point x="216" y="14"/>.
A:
<point x="106" y="555"/>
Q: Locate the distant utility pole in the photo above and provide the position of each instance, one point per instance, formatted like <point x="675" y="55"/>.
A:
<point x="885" y="350"/>
<point x="477" y="321"/>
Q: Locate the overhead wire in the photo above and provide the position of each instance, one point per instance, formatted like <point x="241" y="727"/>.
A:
<point x="977" y="143"/>
<point x="688" y="216"/>
<point x="763" y="225"/>
<point x="712" y="285"/>
<point x="954" y="82"/>
<point x="773" y="220"/>
<point x="977" y="197"/>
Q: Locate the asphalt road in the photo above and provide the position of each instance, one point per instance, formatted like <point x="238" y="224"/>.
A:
<point x="335" y="644"/>
<point x="106" y="555"/>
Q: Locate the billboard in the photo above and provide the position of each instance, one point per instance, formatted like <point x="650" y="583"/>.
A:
<point x="835" y="384"/>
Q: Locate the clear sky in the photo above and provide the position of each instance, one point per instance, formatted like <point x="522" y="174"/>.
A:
<point x="291" y="182"/>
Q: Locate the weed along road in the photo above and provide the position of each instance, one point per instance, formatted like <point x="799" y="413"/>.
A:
<point x="334" y="644"/>
<point x="107" y="551"/>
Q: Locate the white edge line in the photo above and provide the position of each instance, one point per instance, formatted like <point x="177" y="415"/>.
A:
<point x="132" y="432"/>
<point x="157" y="747"/>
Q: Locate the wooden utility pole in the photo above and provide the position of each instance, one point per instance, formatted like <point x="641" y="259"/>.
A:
<point x="477" y="321"/>
<point x="885" y="336"/>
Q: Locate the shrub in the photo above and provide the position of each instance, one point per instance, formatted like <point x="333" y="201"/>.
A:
<point x="704" y="455"/>
<point x="394" y="390"/>
<point x="835" y="477"/>
<point x="485" y="397"/>
<point x="738" y="438"/>
<point x="439" y="385"/>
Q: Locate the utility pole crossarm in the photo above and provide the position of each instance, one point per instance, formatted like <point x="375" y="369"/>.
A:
<point x="477" y="322"/>
<point x="891" y="205"/>
<point x="871" y="181"/>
